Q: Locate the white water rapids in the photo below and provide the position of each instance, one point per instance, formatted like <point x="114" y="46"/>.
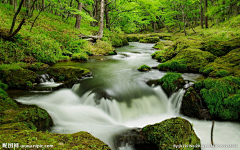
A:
<point x="133" y="103"/>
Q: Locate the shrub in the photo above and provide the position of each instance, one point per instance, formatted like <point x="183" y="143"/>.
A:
<point x="80" y="56"/>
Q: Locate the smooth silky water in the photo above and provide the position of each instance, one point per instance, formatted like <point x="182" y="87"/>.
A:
<point x="117" y="98"/>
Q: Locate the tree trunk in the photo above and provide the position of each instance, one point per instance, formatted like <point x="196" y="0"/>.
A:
<point x="106" y="15"/>
<point x="201" y="14"/>
<point x="43" y="3"/>
<point x="29" y="4"/>
<point x="100" y="35"/>
<point x="15" y="5"/>
<point x="78" y="17"/>
<point x="206" y="17"/>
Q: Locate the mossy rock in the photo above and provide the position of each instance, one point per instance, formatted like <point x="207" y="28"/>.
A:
<point x="163" y="44"/>
<point x="221" y="48"/>
<point x="64" y="73"/>
<point x="195" y="58"/>
<point x="225" y="65"/>
<point x="17" y="77"/>
<point x="170" y="82"/>
<point x="193" y="105"/>
<point x="174" y="65"/>
<point x="35" y="118"/>
<point x="144" y="68"/>
<point x="136" y="37"/>
<point x="19" y="133"/>
<point x="119" y="41"/>
<point x="149" y="40"/>
<point x="174" y="131"/>
<point x="222" y="97"/>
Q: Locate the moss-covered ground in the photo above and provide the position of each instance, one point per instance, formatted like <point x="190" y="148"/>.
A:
<point x="47" y="30"/>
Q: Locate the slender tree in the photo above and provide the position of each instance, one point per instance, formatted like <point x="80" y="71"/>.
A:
<point x="100" y="34"/>
<point x="206" y="16"/>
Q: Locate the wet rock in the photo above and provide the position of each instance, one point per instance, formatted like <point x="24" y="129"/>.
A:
<point x="163" y="135"/>
<point x="64" y="73"/>
<point x="125" y="55"/>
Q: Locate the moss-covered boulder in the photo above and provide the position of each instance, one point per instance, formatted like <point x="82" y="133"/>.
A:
<point x="119" y="41"/>
<point x="194" y="59"/>
<point x="171" y="81"/>
<point x="64" y="73"/>
<point x="136" y="37"/>
<point x="17" y="77"/>
<point x="149" y="40"/>
<point x="163" y="44"/>
<point x="225" y="65"/>
<point x="144" y="68"/>
<point x="19" y="133"/>
<point x="221" y="96"/>
<point x="175" y="131"/>
<point x="194" y="106"/>
<point x="221" y="48"/>
<point x="167" y="134"/>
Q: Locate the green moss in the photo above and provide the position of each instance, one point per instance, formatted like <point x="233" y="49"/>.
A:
<point x="144" y="68"/>
<point x="221" y="48"/>
<point x="225" y="65"/>
<point x="159" y="46"/>
<point x="67" y="72"/>
<point x="174" y="65"/>
<point x="149" y="40"/>
<point x="221" y="96"/>
<point x="80" y="56"/>
<point x="171" y="81"/>
<point x="175" y="131"/>
<point x="3" y="86"/>
<point x="17" y="77"/>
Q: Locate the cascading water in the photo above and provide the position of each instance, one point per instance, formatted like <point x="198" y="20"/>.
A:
<point x="117" y="98"/>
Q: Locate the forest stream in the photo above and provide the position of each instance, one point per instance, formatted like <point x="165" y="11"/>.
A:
<point x="117" y="98"/>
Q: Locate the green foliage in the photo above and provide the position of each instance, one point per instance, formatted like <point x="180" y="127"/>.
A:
<point x="171" y="81"/>
<point x="144" y="68"/>
<point x="80" y="56"/>
<point x="3" y="86"/>
<point x="174" y="65"/>
<point x="221" y="96"/>
<point x="149" y="40"/>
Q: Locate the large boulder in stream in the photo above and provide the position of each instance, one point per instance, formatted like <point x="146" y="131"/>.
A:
<point x="168" y="134"/>
<point x="217" y="99"/>
<point x="171" y="81"/>
<point x="64" y="73"/>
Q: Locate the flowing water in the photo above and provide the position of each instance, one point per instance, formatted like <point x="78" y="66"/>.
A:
<point x="117" y="98"/>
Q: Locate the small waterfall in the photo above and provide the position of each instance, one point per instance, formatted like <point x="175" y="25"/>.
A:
<point x="175" y="102"/>
<point x="45" y="78"/>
